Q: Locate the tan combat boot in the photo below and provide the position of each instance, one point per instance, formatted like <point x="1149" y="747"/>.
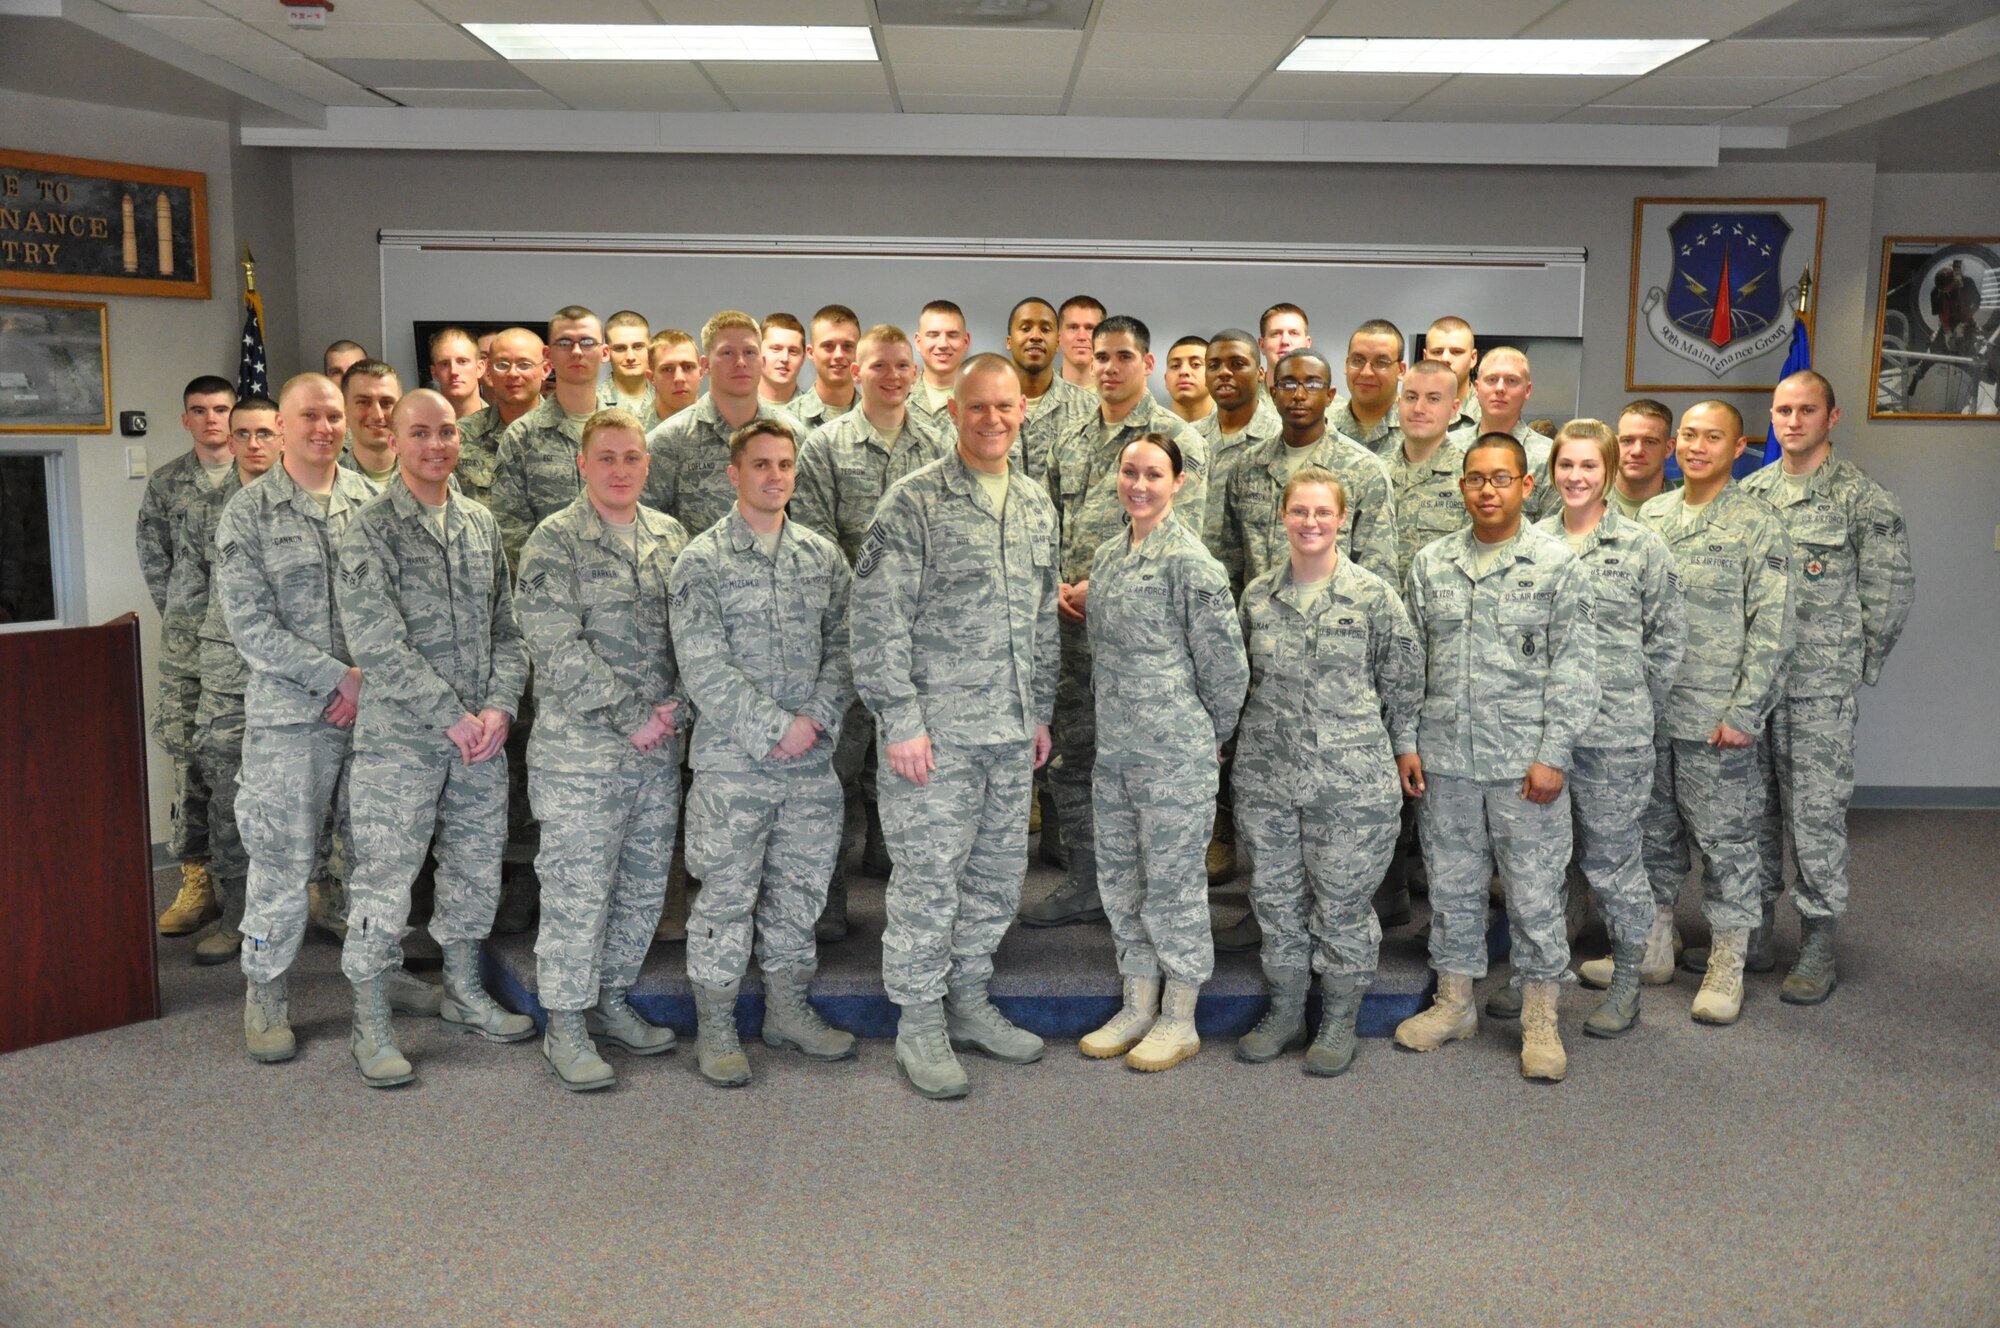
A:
<point x="1720" y="1000"/>
<point x="1450" y="1017"/>
<point x="1542" y="1054"/>
<point x="195" y="906"/>
<point x="1172" y="1038"/>
<point x="1132" y="1022"/>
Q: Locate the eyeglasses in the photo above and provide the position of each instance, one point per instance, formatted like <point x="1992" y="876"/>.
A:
<point x="1302" y="384"/>
<point x="1501" y="481"/>
<point x="584" y="344"/>
<point x="260" y="435"/>
<point x="517" y="366"/>
<point x="1356" y="363"/>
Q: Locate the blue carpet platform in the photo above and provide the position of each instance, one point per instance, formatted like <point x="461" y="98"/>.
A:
<point x="1060" y="982"/>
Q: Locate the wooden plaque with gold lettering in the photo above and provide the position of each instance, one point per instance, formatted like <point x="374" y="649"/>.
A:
<point x="67" y="224"/>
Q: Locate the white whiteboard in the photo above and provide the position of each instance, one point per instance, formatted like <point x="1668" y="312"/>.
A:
<point x="1534" y="294"/>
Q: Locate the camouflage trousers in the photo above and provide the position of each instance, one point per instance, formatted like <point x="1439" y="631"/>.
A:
<point x="294" y="779"/>
<point x="606" y="841"/>
<point x="960" y="849"/>
<point x="1075" y="755"/>
<point x="1153" y="823"/>
<point x="763" y="843"/>
<point x="1608" y="791"/>
<point x="219" y="754"/>
<point x="407" y="800"/>
<point x="1705" y="799"/>
<point x="1808" y="752"/>
<point x="1470" y="826"/>
<point x="1315" y="866"/>
<point x="854" y="764"/>
<point x="174" y="729"/>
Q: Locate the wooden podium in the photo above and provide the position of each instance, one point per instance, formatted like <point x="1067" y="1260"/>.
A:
<point x="76" y="887"/>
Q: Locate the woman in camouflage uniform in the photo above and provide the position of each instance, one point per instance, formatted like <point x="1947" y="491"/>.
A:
<point x="1168" y="687"/>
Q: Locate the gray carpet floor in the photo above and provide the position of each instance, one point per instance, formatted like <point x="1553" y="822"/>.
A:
<point x="1828" y="1166"/>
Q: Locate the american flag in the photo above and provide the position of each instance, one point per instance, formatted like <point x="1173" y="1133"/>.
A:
<point x="252" y="379"/>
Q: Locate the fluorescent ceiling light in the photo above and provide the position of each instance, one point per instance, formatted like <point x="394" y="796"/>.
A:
<point x="1526" y="56"/>
<point x="674" y="41"/>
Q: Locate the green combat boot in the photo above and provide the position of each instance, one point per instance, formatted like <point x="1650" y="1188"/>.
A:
<point x="373" y="1044"/>
<point x="1761" y="958"/>
<point x="466" y="1005"/>
<point x="1619" y="1010"/>
<point x="1339" y="1006"/>
<point x="615" y="1021"/>
<point x="1244" y="937"/>
<point x="923" y="1052"/>
<point x="972" y="1022"/>
<point x="220" y="946"/>
<point x="410" y="994"/>
<point x="267" y="1029"/>
<point x="571" y="1056"/>
<point x="791" y="1021"/>
<point x="718" y="1054"/>
<point x="1505" y="1002"/>
<point x="1283" y="1027"/>
<point x="1072" y="901"/>
<point x="1812" y="978"/>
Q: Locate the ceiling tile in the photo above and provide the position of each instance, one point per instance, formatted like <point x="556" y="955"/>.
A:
<point x="476" y="99"/>
<point x="381" y="41"/>
<point x="815" y="103"/>
<point x="831" y="12"/>
<point x="1499" y="113"/>
<point x="1315" y="110"/>
<point x="1285" y="18"/>
<point x="1670" y="90"/>
<point x="1650" y="18"/>
<point x="1397" y="18"/>
<point x="344" y="11"/>
<point x="431" y="73"/>
<point x="602" y="85"/>
<point x="1777" y="115"/>
<point x="1842" y="91"/>
<point x="978" y="80"/>
<point x="224" y="37"/>
<point x="937" y="104"/>
<point x="311" y="79"/>
<point x="1205" y="85"/>
<point x="1176" y="50"/>
<point x="788" y="77"/>
<point x="537" y="11"/>
<point x="1937" y="57"/>
<point x="1360" y="89"/>
<point x="1165" y="108"/>
<point x="182" y="8"/>
<point x="1651" y="115"/>
<point x="1033" y="48"/>
<point x="1792" y="59"/>
<point x="1500" y="89"/>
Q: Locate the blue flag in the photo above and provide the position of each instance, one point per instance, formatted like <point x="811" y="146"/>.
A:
<point x="252" y="378"/>
<point x="1797" y="358"/>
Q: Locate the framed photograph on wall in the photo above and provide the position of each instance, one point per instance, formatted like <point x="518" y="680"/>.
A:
<point x="1715" y="290"/>
<point x="55" y="366"/>
<point x="1937" y="330"/>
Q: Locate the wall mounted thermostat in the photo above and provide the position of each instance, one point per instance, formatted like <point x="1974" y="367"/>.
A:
<point x="132" y="423"/>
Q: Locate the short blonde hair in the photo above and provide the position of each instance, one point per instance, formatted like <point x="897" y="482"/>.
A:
<point x="727" y="320"/>
<point x="611" y="417"/>
<point x="667" y="337"/>
<point x="1305" y="475"/>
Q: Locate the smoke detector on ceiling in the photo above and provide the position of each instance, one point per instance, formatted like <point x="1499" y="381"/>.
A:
<point x="307" y="13"/>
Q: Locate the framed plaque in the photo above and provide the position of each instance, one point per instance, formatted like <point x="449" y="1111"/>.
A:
<point x="55" y="367"/>
<point x="1937" y="329"/>
<point x="102" y="228"/>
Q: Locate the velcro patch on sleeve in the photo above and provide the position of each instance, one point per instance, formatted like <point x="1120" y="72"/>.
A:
<point x="871" y="554"/>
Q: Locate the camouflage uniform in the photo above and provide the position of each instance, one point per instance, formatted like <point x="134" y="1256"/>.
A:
<point x="689" y="480"/>
<point x="534" y="472"/>
<point x="1223" y="451"/>
<point x="1162" y="610"/>
<point x="1384" y="437"/>
<point x="1335" y="687"/>
<point x="478" y="452"/>
<point x="274" y="574"/>
<point x="1641" y="619"/>
<point x="1060" y="410"/>
<point x="1734" y="561"/>
<point x="169" y="490"/>
<point x="1083" y="480"/>
<point x="1511" y="662"/>
<point x="1855" y="587"/>
<point x="593" y="613"/>
<point x="433" y="631"/>
<point x="810" y="410"/>
<point x="761" y="640"/>
<point x="348" y="461"/>
<point x="1253" y="529"/>
<point x="953" y="623"/>
<point x="844" y="468"/>
<point x="937" y="418"/>
<point x="1429" y="503"/>
<point x="609" y="397"/>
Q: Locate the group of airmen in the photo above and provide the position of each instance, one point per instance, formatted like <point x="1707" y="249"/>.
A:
<point x="1365" y="633"/>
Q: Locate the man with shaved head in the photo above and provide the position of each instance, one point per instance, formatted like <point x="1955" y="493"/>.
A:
<point x="275" y="547"/>
<point x="515" y="369"/>
<point x="424" y="584"/>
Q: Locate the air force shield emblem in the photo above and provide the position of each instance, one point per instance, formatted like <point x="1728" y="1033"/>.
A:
<point x="1725" y="302"/>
